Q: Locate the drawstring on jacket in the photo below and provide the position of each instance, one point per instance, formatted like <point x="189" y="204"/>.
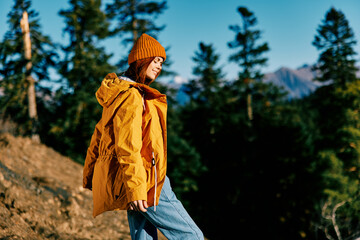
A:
<point x="153" y="164"/>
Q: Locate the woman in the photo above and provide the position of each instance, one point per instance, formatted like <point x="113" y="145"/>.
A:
<point x="125" y="166"/>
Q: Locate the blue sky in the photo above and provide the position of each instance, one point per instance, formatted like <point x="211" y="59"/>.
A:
<point x="288" y="26"/>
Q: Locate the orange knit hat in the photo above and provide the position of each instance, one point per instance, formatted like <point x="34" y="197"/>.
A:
<point x="146" y="47"/>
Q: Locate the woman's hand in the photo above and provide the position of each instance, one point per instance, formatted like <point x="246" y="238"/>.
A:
<point x="139" y="205"/>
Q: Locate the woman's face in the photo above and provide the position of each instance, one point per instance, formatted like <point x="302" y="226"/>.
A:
<point x="154" y="68"/>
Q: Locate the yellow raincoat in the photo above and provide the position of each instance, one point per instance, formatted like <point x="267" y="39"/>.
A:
<point x="119" y="164"/>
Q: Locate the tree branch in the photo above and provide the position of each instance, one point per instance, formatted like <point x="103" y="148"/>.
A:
<point x="333" y="219"/>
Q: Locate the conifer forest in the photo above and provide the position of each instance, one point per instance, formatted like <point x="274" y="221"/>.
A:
<point x="247" y="161"/>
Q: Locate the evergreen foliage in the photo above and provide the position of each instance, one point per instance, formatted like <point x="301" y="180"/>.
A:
<point x="84" y="66"/>
<point x="249" y="57"/>
<point x="335" y="39"/>
<point x="338" y="122"/>
<point x="131" y="18"/>
<point x="134" y="17"/>
<point x="85" y="63"/>
<point x="203" y="121"/>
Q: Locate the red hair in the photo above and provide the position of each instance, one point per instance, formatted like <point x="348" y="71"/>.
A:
<point x="137" y="71"/>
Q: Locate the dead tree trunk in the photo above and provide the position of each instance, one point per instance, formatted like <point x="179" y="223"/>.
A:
<point x="24" y="24"/>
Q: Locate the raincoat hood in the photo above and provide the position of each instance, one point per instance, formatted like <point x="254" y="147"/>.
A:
<point x="112" y="86"/>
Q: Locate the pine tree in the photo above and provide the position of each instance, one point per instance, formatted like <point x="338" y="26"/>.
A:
<point x="336" y="40"/>
<point x="209" y="77"/>
<point x="206" y="96"/>
<point x="135" y="17"/>
<point x="249" y="57"/>
<point x="83" y="68"/>
<point x="338" y="141"/>
<point x="85" y="63"/>
<point x="205" y="119"/>
<point x="15" y="84"/>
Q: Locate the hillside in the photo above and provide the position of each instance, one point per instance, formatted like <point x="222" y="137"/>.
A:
<point x="41" y="196"/>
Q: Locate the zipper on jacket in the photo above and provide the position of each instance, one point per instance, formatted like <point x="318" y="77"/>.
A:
<point x="153" y="164"/>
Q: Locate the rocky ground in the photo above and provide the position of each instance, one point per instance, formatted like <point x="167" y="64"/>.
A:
<point x="41" y="196"/>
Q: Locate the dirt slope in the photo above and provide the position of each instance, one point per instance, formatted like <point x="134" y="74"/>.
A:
<point x="41" y="196"/>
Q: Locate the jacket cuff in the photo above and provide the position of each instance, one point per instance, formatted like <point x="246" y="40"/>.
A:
<point x="137" y="194"/>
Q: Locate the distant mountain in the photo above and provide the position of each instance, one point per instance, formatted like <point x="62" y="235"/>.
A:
<point x="298" y="83"/>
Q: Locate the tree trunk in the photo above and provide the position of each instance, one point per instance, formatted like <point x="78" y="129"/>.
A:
<point x="249" y="106"/>
<point x="135" y="33"/>
<point x="24" y="24"/>
<point x="333" y="219"/>
<point x="134" y="21"/>
<point x="247" y="82"/>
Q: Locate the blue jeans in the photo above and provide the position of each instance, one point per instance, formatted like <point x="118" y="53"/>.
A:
<point x="170" y="218"/>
